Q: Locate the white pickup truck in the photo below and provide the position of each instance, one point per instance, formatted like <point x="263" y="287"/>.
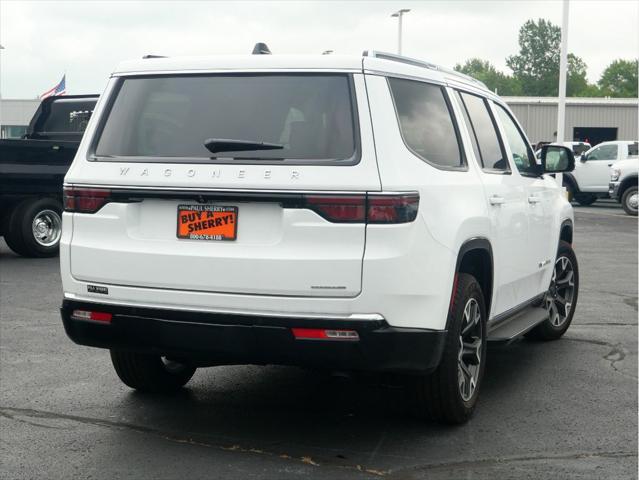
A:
<point x="591" y="176"/>
<point x="623" y="183"/>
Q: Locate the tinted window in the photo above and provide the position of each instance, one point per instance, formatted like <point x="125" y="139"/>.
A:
<point x="67" y="115"/>
<point x="483" y="128"/>
<point x="633" y="149"/>
<point x="604" y="152"/>
<point x="521" y="153"/>
<point x="426" y="122"/>
<point x="311" y="116"/>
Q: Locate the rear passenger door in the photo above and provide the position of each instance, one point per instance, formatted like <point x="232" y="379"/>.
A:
<point x="506" y="202"/>
<point x="541" y="248"/>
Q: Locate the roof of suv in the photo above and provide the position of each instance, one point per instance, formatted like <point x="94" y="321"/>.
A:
<point x="370" y="61"/>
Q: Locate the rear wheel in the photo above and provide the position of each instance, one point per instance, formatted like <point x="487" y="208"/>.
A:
<point x="629" y="200"/>
<point x="150" y="373"/>
<point x="561" y="298"/>
<point x="34" y="227"/>
<point x="585" y="199"/>
<point x="450" y="393"/>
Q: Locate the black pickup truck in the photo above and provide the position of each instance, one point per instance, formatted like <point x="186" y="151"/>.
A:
<point x="32" y="171"/>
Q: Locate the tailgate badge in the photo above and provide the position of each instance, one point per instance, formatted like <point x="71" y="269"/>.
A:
<point x="97" y="289"/>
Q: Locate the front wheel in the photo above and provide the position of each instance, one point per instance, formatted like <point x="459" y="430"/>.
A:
<point x="630" y="200"/>
<point x="450" y="393"/>
<point x="150" y="373"/>
<point x="561" y="298"/>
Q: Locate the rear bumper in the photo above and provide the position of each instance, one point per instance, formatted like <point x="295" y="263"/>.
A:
<point x="206" y="338"/>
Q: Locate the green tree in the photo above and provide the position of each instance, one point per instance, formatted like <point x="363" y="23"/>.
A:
<point x="485" y="72"/>
<point x="619" y="79"/>
<point x="536" y="66"/>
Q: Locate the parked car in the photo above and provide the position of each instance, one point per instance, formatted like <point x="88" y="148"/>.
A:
<point x="591" y="176"/>
<point x="32" y="171"/>
<point x="623" y="182"/>
<point x="373" y="213"/>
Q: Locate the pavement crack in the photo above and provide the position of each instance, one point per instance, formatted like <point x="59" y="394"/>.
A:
<point x="486" y="462"/>
<point x="16" y="414"/>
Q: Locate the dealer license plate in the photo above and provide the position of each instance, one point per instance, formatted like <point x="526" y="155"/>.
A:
<point x="206" y="222"/>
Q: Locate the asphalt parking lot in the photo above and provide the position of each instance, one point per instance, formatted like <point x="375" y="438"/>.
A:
<point x="565" y="409"/>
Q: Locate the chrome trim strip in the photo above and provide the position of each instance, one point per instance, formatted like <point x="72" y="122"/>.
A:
<point x="125" y="188"/>
<point x="331" y="316"/>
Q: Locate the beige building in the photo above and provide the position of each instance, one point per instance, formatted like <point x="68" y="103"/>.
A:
<point x="587" y="119"/>
<point x="15" y="116"/>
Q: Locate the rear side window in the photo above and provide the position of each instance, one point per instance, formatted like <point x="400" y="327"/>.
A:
<point x="633" y="149"/>
<point x="482" y="127"/>
<point x="311" y="118"/>
<point x="426" y="122"/>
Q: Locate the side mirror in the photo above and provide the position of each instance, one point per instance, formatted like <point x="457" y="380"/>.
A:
<point x="583" y="157"/>
<point x="557" y="159"/>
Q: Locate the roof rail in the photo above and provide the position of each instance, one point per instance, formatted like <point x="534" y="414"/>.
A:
<point x="421" y="63"/>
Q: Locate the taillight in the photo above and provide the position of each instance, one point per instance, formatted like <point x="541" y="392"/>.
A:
<point x="103" y="317"/>
<point x="400" y="208"/>
<point x="324" y="334"/>
<point x="339" y="208"/>
<point x="370" y="208"/>
<point x="85" y="200"/>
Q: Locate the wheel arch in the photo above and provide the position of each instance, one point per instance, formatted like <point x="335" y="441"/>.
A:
<point x="570" y="180"/>
<point x="475" y="257"/>
<point x="566" y="231"/>
<point x="625" y="183"/>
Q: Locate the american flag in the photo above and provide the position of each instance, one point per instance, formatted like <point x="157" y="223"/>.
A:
<point x="59" y="89"/>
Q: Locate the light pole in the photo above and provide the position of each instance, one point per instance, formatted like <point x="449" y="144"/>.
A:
<point x="1" y="48"/>
<point x="563" y="68"/>
<point x="399" y="14"/>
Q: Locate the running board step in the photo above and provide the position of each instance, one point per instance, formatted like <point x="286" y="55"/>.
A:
<point x="517" y="325"/>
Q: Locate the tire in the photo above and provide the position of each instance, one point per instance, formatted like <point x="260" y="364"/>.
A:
<point x="570" y="190"/>
<point x="441" y="396"/>
<point x="629" y="200"/>
<point x="585" y="199"/>
<point x="150" y="373"/>
<point x="559" y="318"/>
<point x="34" y="227"/>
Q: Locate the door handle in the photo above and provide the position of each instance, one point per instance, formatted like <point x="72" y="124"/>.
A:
<point x="610" y="164"/>
<point x="496" y="200"/>
<point x="534" y="199"/>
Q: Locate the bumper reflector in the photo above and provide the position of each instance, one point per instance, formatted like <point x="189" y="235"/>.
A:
<point x="324" y="334"/>
<point x="94" y="316"/>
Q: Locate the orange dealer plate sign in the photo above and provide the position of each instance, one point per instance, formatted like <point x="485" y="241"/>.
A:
<point x="206" y="222"/>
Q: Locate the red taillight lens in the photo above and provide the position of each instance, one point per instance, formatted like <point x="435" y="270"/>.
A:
<point x="371" y="208"/>
<point x="339" y="208"/>
<point x="400" y="208"/>
<point x="324" y="334"/>
<point x="85" y="200"/>
<point x="94" y="316"/>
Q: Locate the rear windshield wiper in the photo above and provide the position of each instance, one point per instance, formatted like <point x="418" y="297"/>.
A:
<point x="215" y="145"/>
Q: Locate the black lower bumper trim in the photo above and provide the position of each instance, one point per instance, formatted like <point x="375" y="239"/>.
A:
<point x="206" y="339"/>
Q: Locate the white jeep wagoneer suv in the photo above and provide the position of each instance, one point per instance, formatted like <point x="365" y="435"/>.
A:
<point x="369" y="213"/>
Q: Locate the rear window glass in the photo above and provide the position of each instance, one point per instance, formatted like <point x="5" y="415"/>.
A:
<point x="68" y="116"/>
<point x="426" y="122"/>
<point x="309" y="117"/>
<point x="633" y="149"/>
